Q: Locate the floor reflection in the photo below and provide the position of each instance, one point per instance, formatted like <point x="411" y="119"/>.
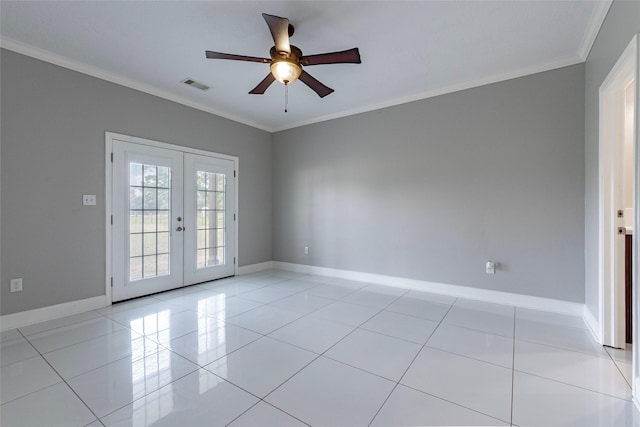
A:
<point x="212" y="343"/>
<point x="150" y="372"/>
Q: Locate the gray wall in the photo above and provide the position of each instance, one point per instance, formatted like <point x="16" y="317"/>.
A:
<point x="433" y="189"/>
<point x="53" y="124"/>
<point x="622" y="22"/>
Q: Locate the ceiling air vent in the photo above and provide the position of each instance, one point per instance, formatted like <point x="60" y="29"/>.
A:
<point x="195" y="84"/>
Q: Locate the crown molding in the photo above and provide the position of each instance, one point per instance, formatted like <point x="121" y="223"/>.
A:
<point x="44" y="55"/>
<point x="596" y="20"/>
<point x="496" y="78"/>
<point x="71" y="64"/>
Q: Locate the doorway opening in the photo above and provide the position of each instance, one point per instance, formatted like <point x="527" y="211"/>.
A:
<point x="619" y="169"/>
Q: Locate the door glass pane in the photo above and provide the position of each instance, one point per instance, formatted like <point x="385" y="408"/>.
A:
<point x="135" y="268"/>
<point x="135" y="242"/>
<point x="149" y="211"/>
<point x="163" y="243"/>
<point x="210" y="204"/>
<point x="163" y="221"/>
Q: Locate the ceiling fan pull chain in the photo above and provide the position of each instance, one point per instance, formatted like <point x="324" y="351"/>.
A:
<point x="286" y="95"/>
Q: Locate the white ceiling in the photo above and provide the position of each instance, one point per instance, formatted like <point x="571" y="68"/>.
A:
<point x="410" y="49"/>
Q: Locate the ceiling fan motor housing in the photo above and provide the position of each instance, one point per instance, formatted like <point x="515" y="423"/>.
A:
<point x="285" y="66"/>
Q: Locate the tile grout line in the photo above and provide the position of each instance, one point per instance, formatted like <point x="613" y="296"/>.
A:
<point x="75" y="393"/>
<point x="321" y="354"/>
<point x="572" y="350"/>
<point x="266" y="403"/>
<point x="466" y="357"/>
<point x="99" y="315"/>
<point x="359" y="326"/>
<point x="615" y="362"/>
<point x="313" y="311"/>
<point x="154" y="341"/>
<point x="61" y="377"/>
<point x="263" y="304"/>
<point x="159" y="388"/>
<point x="143" y="336"/>
<point x="411" y="363"/>
<point x="453" y="403"/>
<point x="479" y="330"/>
<point x="262" y="399"/>
<point x="261" y="335"/>
<point x="575" y="386"/>
<point x="354" y="329"/>
<point x="124" y="327"/>
<point x="38" y="354"/>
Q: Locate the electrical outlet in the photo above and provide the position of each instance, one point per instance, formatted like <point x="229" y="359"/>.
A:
<point x="16" y="285"/>
<point x="88" y="199"/>
<point x="490" y="267"/>
<point x="306" y="250"/>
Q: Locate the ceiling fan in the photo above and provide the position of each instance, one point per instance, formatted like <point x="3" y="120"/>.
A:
<point x="287" y="60"/>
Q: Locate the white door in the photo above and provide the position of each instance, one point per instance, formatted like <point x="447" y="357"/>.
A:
<point x="208" y="238"/>
<point x="173" y="219"/>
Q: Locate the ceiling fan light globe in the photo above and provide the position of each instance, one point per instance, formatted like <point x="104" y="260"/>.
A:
<point x="285" y="71"/>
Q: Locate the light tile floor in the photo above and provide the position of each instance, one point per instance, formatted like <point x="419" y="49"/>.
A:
<point x="277" y="348"/>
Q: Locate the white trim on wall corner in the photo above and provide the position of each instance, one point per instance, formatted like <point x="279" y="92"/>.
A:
<point x="600" y="10"/>
<point x="254" y="268"/>
<point x="592" y="324"/>
<point x="29" y="317"/>
<point x="518" y="300"/>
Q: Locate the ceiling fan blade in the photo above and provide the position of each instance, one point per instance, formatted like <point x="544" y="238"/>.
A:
<point x="279" y="28"/>
<point x="314" y="84"/>
<point x="263" y="85"/>
<point x="351" y="56"/>
<point x="219" y="55"/>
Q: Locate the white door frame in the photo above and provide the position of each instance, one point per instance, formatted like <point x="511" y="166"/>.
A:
<point x="611" y="121"/>
<point x="109" y="138"/>
<point x="611" y="311"/>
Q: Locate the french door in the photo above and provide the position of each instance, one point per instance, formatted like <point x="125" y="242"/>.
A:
<point x="173" y="219"/>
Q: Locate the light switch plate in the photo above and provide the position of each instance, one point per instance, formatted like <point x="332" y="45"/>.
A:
<point x="89" y="199"/>
<point x="16" y="285"/>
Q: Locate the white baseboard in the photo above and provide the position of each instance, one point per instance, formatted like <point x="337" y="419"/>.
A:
<point x="592" y="324"/>
<point x="518" y="300"/>
<point x="25" y="318"/>
<point x="29" y="317"/>
<point x="254" y="268"/>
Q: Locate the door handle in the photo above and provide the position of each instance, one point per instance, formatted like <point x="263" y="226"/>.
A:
<point x="179" y="229"/>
